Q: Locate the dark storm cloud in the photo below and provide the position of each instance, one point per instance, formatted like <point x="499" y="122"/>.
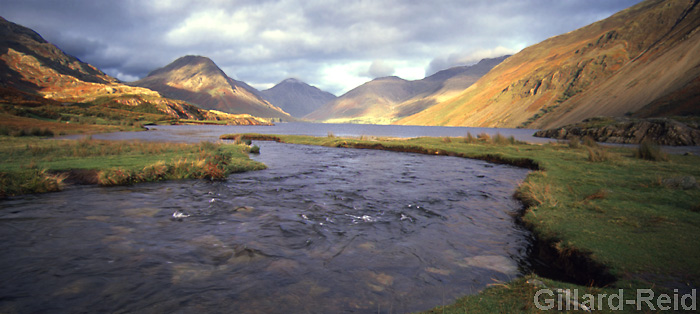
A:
<point x="333" y="44"/>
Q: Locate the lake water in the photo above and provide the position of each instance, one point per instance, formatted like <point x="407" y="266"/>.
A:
<point x="196" y="133"/>
<point x="323" y="230"/>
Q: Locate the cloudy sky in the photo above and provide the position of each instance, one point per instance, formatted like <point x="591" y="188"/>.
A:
<point x="335" y="45"/>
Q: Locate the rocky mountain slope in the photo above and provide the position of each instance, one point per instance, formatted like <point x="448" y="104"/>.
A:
<point x="387" y="99"/>
<point x="639" y="60"/>
<point x="296" y="97"/>
<point x="200" y="81"/>
<point x="37" y="79"/>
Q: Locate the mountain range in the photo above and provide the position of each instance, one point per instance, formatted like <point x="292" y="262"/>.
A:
<point x="643" y="61"/>
<point x="297" y="97"/>
<point x="640" y="62"/>
<point x="387" y="99"/>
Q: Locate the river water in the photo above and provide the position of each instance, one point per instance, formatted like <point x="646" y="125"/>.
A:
<point x="323" y="230"/>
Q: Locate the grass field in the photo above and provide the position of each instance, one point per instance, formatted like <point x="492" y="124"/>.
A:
<point x="34" y="165"/>
<point x="603" y="218"/>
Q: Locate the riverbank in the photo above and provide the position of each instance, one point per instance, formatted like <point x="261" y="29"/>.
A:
<point x="603" y="218"/>
<point x="35" y="165"/>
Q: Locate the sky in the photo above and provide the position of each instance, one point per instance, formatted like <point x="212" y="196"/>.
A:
<point x="335" y="45"/>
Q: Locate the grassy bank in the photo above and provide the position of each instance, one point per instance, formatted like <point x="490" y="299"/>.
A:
<point x="604" y="218"/>
<point x="34" y="165"/>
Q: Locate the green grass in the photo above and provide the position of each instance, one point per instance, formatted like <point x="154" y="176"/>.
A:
<point x="32" y="165"/>
<point x="615" y="212"/>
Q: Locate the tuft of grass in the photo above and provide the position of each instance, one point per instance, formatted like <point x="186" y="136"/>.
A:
<point x="330" y="134"/>
<point x="30" y="181"/>
<point x="537" y="191"/>
<point x="499" y="139"/>
<point x="598" y="195"/>
<point x="446" y="139"/>
<point x="484" y="137"/>
<point x="254" y="149"/>
<point x="598" y="154"/>
<point x="650" y="151"/>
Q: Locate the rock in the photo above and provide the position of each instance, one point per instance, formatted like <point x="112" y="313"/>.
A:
<point x="211" y="248"/>
<point x="684" y="182"/>
<point x="498" y="263"/>
<point x="662" y="131"/>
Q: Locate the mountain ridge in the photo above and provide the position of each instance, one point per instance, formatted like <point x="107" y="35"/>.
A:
<point x="198" y="80"/>
<point x="296" y="97"/>
<point x="386" y="99"/>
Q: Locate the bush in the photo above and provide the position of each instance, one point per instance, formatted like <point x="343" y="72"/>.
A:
<point x="255" y="149"/>
<point x="650" y="151"/>
<point x="469" y="138"/>
<point x="446" y="139"/>
<point x="574" y="142"/>
<point x="589" y="141"/>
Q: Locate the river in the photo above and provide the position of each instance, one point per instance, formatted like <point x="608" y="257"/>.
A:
<point x="322" y="230"/>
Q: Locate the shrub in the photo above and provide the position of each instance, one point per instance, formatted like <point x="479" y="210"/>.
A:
<point x="255" y="149"/>
<point x="446" y="139"/>
<point x="650" y="151"/>
<point x="574" y="142"/>
<point x="469" y="138"/>
<point x="589" y="141"/>
<point x="4" y="130"/>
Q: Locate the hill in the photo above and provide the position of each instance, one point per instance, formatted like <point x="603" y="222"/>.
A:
<point x="296" y="97"/>
<point x="637" y="61"/>
<point x="387" y="99"/>
<point x="200" y="81"/>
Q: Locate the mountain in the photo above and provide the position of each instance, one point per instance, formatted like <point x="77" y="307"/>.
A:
<point x="200" y="81"/>
<point x="296" y="97"/>
<point x="643" y="61"/>
<point x="37" y="79"/>
<point x="387" y="99"/>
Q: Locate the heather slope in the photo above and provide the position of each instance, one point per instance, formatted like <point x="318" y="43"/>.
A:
<point x="200" y="81"/>
<point x="615" y="66"/>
